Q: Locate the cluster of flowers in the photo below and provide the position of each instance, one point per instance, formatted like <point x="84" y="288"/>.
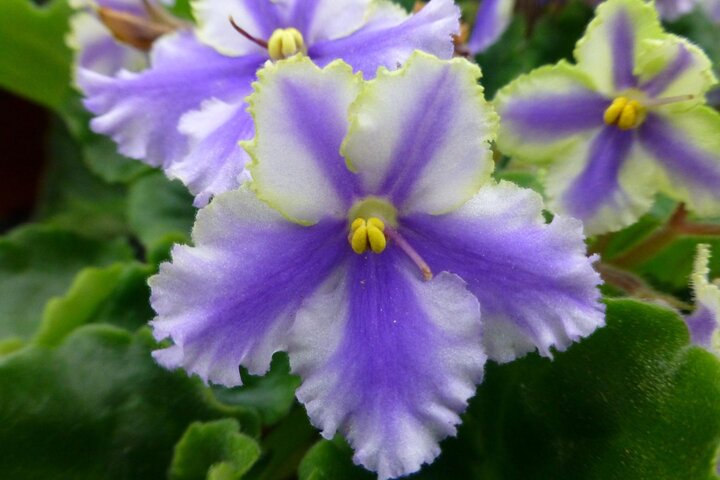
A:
<point x="358" y="228"/>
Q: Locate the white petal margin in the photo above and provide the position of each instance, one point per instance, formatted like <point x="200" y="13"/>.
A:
<point x="393" y="369"/>
<point x="215" y="162"/>
<point x="637" y="184"/>
<point x="421" y="135"/>
<point x="536" y="287"/>
<point x="300" y="114"/>
<point x="602" y="50"/>
<point x="230" y="299"/>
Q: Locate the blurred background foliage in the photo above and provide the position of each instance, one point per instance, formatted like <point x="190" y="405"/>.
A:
<point x="81" y="398"/>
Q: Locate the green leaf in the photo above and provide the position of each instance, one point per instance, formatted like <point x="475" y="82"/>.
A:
<point x="633" y="401"/>
<point x="328" y="460"/>
<point x="213" y="450"/>
<point x="116" y="295"/>
<point x="271" y="394"/>
<point x="98" y="406"/>
<point x="37" y="263"/>
<point x="406" y="4"/>
<point x="284" y="447"/>
<point x="160" y="213"/>
<point x="506" y="59"/>
<point x="34" y="60"/>
<point x="73" y="198"/>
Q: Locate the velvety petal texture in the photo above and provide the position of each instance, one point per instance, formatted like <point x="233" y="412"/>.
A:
<point x="535" y="285"/>
<point x="383" y="42"/>
<point x="301" y="115"/>
<point x="388" y="359"/>
<point x="491" y="21"/>
<point x="686" y="145"/>
<point x="609" y="49"/>
<point x="608" y="181"/>
<point x="429" y="152"/>
<point x="704" y="322"/>
<point x="547" y="111"/>
<point x="141" y="111"/>
<point x="230" y="299"/>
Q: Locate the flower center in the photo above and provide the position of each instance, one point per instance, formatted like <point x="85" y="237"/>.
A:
<point x="373" y="223"/>
<point x="624" y="113"/>
<point x="285" y="42"/>
<point x="628" y="113"/>
<point x="364" y="233"/>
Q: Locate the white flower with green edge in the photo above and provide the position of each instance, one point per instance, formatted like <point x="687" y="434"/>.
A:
<point x="624" y="122"/>
<point x="374" y="247"/>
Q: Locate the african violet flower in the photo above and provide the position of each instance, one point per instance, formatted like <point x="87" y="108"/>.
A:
<point x="492" y="19"/>
<point x="624" y="122"/>
<point x="378" y="253"/>
<point x="674" y="9"/>
<point x="704" y="322"/>
<point x="187" y="112"/>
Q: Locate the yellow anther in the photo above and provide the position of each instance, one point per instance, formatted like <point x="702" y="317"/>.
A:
<point x="285" y="42"/>
<point x="367" y="232"/>
<point x="376" y="222"/>
<point x="614" y="110"/>
<point x="359" y="240"/>
<point x="624" y="113"/>
<point x="357" y="223"/>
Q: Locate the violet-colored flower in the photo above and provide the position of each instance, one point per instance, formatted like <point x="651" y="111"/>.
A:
<point x="187" y="112"/>
<point x="361" y="192"/>
<point x="625" y="122"/>
<point x="674" y="9"/>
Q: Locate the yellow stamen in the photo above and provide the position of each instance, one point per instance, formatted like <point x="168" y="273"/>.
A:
<point x="624" y="113"/>
<point x="285" y="42"/>
<point x="614" y="110"/>
<point x="367" y="232"/>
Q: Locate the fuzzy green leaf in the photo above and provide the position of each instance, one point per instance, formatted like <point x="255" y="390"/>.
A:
<point x="213" y="450"/>
<point x="98" y="406"/>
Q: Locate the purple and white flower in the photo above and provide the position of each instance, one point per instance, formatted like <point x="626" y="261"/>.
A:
<point x="187" y="112"/>
<point x="373" y="247"/>
<point x="625" y="122"/>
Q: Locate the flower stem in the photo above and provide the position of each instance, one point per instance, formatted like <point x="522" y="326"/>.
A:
<point x="678" y="225"/>
<point x="635" y="286"/>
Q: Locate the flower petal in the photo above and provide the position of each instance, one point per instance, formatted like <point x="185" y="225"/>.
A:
<point x="547" y="111"/>
<point x="389" y="44"/>
<point x="96" y="50"/>
<point x="608" y="181"/>
<point x="687" y="146"/>
<point x="140" y="111"/>
<point x="704" y="322"/>
<point x="326" y="19"/>
<point x="673" y="66"/>
<point x="260" y="18"/>
<point x="420" y="136"/>
<point x="388" y="360"/>
<point x="673" y="9"/>
<point x="536" y="287"/>
<point x="491" y="21"/>
<point x="231" y="298"/>
<point x="609" y="50"/>
<point x="300" y="114"/>
<point x="215" y="163"/>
